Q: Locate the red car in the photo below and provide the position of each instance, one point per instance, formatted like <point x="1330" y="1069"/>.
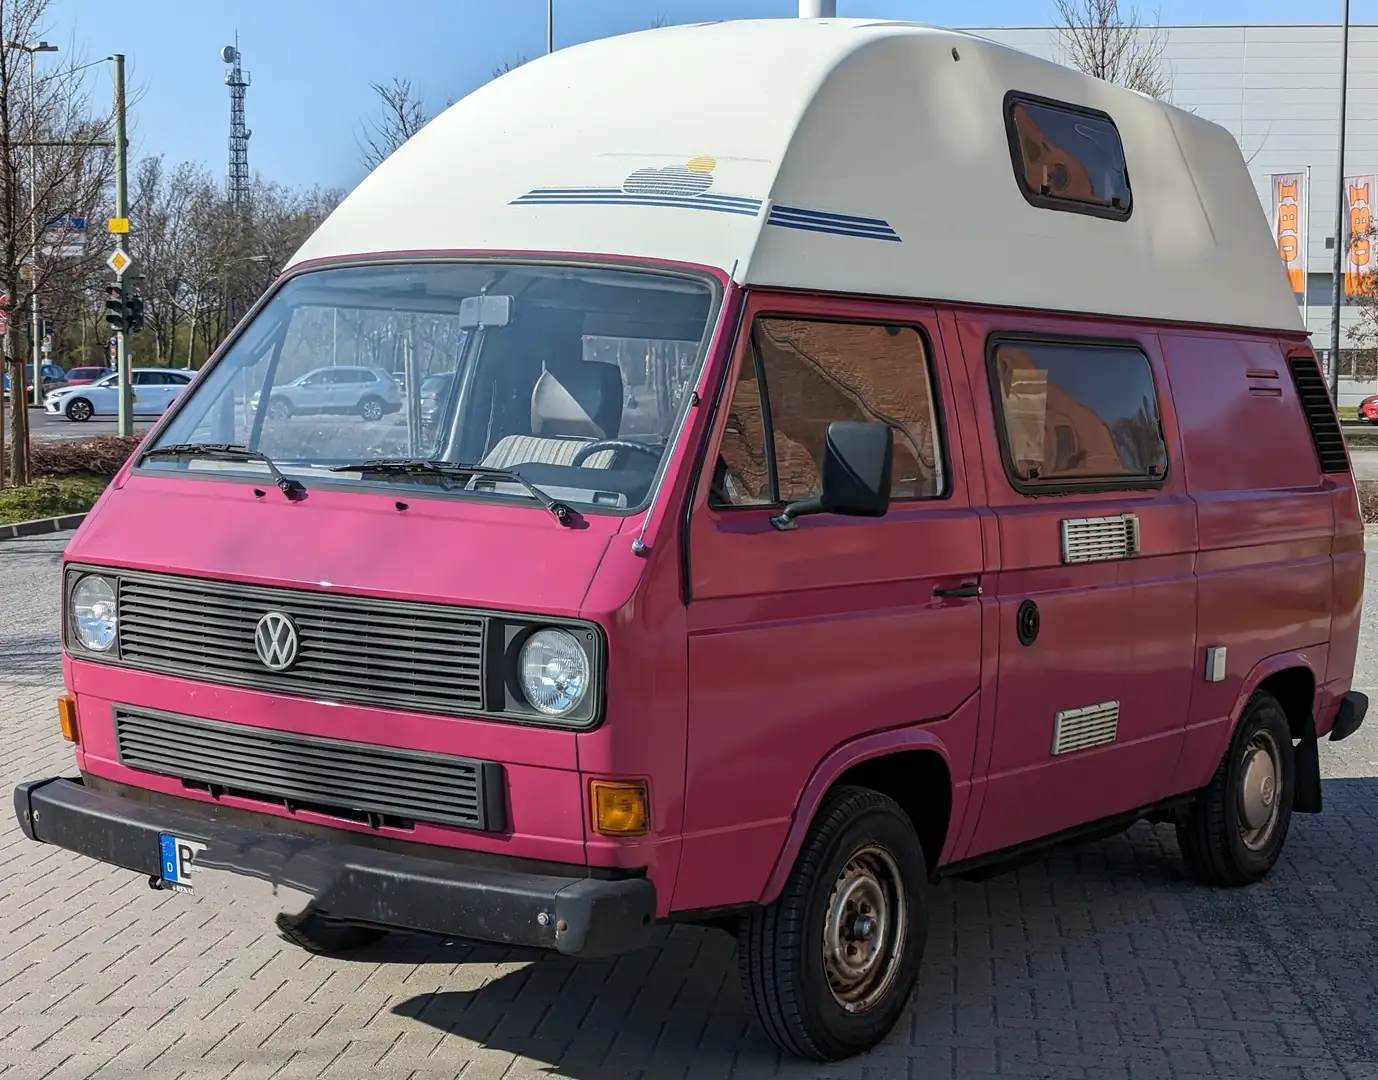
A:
<point x="81" y="376"/>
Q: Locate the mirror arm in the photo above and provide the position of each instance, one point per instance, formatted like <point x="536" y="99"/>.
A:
<point x="785" y="520"/>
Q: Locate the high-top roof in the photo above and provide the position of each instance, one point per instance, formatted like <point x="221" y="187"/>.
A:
<point x="843" y="154"/>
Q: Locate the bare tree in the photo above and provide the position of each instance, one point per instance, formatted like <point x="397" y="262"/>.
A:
<point x="1112" y="43"/>
<point x="52" y="117"/>
<point x="510" y="65"/>
<point x="401" y="115"/>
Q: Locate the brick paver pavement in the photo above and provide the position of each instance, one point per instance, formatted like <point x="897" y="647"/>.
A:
<point x="1102" y="964"/>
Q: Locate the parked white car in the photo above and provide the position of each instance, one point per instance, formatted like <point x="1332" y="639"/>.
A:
<point x="348" y="390"/>
<point x="154" y="390"/>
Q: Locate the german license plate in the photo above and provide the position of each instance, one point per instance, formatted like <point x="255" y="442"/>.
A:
<point x="177" y="858"/>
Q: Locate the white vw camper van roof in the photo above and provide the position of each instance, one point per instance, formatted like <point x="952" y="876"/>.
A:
<point x="844" y="154"/>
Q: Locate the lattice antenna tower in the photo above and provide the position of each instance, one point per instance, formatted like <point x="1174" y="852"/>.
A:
<point x="237" y="79"/>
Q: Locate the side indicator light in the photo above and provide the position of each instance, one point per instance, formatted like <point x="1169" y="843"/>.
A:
<point x="67" y="718"/>
<point x="620" y="809"/>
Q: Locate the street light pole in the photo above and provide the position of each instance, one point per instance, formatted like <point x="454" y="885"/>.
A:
<point x="1341" y="205"/>
<point x="549" y="26"/>
<point x="122" y="380"/>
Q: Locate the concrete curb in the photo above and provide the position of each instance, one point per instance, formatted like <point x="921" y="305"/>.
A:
<point x="42" y="525"/>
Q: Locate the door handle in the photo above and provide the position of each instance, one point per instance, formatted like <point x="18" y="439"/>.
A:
<point x="963" y="591"/>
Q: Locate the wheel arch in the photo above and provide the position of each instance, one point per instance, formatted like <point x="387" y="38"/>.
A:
<point x="912" y="766"/>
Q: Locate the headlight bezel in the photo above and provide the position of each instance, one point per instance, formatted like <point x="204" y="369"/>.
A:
<point x="71" y="635"/>
<point x="509" y="637"/>
<point x="568" y="642"/>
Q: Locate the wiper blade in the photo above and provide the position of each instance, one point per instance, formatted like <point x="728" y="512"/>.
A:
<point x="293" y="489"/>
<point x="562" y="513"/>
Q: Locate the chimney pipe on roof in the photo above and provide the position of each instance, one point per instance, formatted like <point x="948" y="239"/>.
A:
<point x="818" y="9"/>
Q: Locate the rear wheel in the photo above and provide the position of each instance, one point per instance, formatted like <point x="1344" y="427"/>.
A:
<point x="371" y="409"/>
<point x="1235" y="830"/>
<point x="79" y="409"/>
<point x="315" y="933"/>
<point x="830" y="965"/>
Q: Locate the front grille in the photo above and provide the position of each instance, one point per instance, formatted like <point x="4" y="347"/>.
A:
<point x="420" y="657"/>
<point x="310" y="773"/>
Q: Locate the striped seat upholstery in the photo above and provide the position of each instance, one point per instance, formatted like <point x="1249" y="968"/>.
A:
<point x="520" y="449"/>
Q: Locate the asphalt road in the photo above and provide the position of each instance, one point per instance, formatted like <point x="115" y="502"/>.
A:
<point x="1105" y="963"/>
<point x="45" y="428"/>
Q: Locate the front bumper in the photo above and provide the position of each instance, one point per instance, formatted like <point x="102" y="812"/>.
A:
<point x="578" y="916"/>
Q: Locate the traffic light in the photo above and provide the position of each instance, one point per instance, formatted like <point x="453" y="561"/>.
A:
<point x="115" y="313"/>
<point x="134" y="315"/>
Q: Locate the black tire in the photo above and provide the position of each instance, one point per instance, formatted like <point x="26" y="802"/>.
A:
<point x="781" y="951"/>
<point x="79" y="409"/>
<point x="317" y="934"/>
<point x="279" y="408"/>
<point x="1220" y="845"/>
<point x="372" y="409"/>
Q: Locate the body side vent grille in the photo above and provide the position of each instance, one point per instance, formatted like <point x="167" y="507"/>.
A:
<point x="1320" y="415"/>
<point x="1092" y="725"/>
<point x="1100" y="538"/>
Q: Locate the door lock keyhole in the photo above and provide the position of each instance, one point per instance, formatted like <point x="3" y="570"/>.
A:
<point x="1026" y="622"/>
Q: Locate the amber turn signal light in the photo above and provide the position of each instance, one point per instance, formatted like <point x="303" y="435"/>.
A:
<point x="620" y="809"/>
<point x="67" y="717"/>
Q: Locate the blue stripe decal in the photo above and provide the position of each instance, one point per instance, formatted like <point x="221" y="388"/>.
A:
<point x="820" y="221"/>
<point x="835" y="231"/>
<point x="785" y="217"/>
<point x="850" y="219"/>
<point x="635" y="200"/>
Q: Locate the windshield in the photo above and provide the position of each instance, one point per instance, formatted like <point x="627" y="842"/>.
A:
<point x="574" y="377"/>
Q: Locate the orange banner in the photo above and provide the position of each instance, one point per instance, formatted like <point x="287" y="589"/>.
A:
<point x="1360" y="191"/>
<point x="1289" y="216"/>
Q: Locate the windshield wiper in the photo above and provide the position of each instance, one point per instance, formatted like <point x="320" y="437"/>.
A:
<point x="563" y="514"/>
<point x="293" y="489"/>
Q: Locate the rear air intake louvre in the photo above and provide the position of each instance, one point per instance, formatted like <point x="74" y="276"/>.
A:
<point x="1093" y="725"/>
<point x="1320" y="417"/>
<point x="1098" y="539"/>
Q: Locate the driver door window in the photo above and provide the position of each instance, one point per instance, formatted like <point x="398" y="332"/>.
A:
<point x="815" y="372"/>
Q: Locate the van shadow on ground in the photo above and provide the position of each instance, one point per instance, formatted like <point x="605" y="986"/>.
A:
<point x="1104" y="961"/>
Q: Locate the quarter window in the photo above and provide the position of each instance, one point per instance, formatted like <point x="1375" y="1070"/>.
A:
<point x="1072" y="414"/>
<point x="814" y="373"/>
<point x="1067" y="157"/>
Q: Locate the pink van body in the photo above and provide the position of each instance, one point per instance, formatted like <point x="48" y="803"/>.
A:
<point x="795" y="662"/>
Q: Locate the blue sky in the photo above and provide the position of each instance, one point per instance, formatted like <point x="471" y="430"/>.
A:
<point x="311" y="61"/>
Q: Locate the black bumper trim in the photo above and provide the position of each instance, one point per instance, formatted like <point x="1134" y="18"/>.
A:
<point x="1353" y="708"/>
<point x="577" y="916"/>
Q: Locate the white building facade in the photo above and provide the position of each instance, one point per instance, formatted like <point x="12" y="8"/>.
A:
<point x="1276" y="88"/>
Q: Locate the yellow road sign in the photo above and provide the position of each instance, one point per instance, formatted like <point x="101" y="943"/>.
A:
<point x="119" y="224"/>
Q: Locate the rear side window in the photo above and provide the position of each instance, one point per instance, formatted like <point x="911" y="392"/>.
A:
<point x="1074" y="414"/>
<point x="1067" y="157"/>
<point x="809" y="374"/>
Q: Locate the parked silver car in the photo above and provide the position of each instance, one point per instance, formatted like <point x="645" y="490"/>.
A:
<point x="345" y="390"/>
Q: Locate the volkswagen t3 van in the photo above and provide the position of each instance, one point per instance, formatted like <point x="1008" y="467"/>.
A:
<point x="881" y="459"/>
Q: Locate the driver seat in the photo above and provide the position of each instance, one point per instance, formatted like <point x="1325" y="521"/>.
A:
<point x="580" y="404"/>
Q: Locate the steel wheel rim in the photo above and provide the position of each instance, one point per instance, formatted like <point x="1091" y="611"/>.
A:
<point x="865" y="929"/>
<point x="1260" y="794"/>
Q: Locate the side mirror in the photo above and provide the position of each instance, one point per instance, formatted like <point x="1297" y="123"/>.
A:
<point x="856" y="474"/>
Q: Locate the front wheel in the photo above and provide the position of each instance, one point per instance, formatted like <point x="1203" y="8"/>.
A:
<point x="830" y="965"/>
<point x="1234" y="831"/>
<point x="79" y="409"/>
<point x="279" y="408"/>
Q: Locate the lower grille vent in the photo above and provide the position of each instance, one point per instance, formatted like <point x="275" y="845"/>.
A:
<point x="375" y="783"/>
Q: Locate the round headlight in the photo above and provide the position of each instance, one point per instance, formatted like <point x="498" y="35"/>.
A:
<point x="554" y="672"/>
<point x="93" y="613"/>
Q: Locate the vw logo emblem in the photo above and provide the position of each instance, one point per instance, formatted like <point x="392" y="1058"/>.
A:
<point x="276" y="641"/>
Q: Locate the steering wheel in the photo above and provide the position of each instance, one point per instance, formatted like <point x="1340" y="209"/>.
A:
<point x="589" y="449"/>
